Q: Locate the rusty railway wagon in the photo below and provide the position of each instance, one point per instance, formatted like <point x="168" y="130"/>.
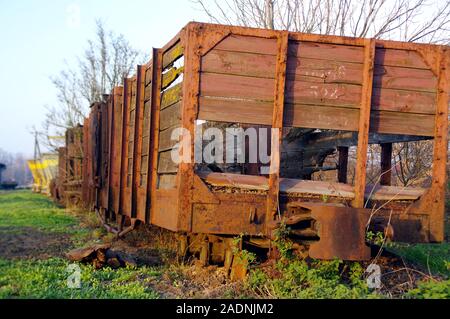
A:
<point x="67" y="187"/>
<point x="341" y="93"/>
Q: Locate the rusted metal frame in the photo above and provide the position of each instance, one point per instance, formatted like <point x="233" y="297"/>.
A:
<point x="114" y="96"/>
<point x="437" y="206"/>
<point x="277" y="123"/>
<point x="386" y="163"/>
<point x="364" y="122"/>
<point x="123" y="161"/>
<point x="137" y="149"/>
<point x="191" y="91"/>
<point x="267" y="33"/>
<point x="97" y="165"/>
<point x="178" y="37"/>
<point x="342" y="164"/>
<point x="109" y="121"/>
<point x="426" y="51"/>
<point x="154" y="131"/>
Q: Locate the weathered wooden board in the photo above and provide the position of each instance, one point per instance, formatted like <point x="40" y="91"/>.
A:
<point x="324" y="117"/>
<point x="401" y="123"/>
<point x="171" y="95"/>
<point x="403" y="58"/>
<point x="165" y="141"/>
<point x="171" y="76"/>
<point x="242" y="87"/>
<point x="234" y="110"/>
<point x="239" y="43"/>
<point x="165" y="163"/>
<point x="167" y="181"/>
<point x="116" y="151"/>
<point x="394" y="77"/>
<point x="403" y="101"/>
<point x="173" y="54"/>
<point x="326" y="51"/>
<point x="239" y="63"/>
<point x="170" y="116"/>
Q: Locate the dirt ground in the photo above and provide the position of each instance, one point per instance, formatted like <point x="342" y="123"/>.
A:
<point x="29" y="242"/>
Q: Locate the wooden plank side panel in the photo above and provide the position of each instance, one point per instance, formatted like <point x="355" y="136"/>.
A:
<point x="401" y="123"/>
<point x="326" y="51"/>
<point x="152" y="176"/>
<point x="170" y="116"/>
<point x="173" y="54"/>
<point x="106" y="113"/>
<point x="166" y="164"/>
<point x="125" y="194"/>
<point x="171" y="95"/>
<point x="139" y="184"/>
<point x="116" y="149"/>
<point x="165" y="138"/>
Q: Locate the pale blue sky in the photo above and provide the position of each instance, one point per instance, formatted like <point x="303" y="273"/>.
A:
<point x="37" y="37"/>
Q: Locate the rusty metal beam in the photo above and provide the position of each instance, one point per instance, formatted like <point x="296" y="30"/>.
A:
<point x="154" y="137"/>
<point x="364" y="120"/>
<point x="439" y="170"/>
<point x="191" y="87"/>
<point x="277" y="123"/>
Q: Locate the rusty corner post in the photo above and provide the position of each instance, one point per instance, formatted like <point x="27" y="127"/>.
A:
<point x="364" y="122"/>
<point x="137" y="149"/>
<point x="439" y="169"/>
<point x="192" y="39"/>
<point x="277" y="123"/>
<point x="152" y="176"/>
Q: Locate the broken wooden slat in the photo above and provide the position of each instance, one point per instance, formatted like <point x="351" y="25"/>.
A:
<point x="170" y="76"/>
<point x="173" y="54"/>
<point x="171" y="96"/>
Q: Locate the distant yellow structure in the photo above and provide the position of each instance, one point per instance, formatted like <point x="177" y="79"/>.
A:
<point x="43" y="171"/>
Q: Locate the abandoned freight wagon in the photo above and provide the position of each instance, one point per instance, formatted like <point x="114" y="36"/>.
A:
<point x="322" y="94"/>
<point x="67" y="188"/>
<point x="44" y="170"/>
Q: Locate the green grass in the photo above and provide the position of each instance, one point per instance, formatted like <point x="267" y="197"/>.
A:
<point x="432" y="257"/>
<point x="320" y="280"/>
<point x="26" y="209"/>
<point x="48" y="279"/>
<point x="32" y="278"/>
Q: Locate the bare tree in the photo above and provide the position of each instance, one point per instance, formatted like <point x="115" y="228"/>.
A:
<point x="16" y="168"/>
<point x="407" y="20"/>
<point x="412" y="163"/>
<point x="106" y="61"/>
